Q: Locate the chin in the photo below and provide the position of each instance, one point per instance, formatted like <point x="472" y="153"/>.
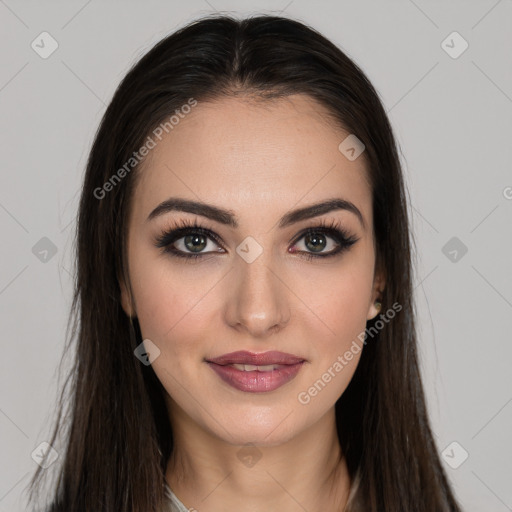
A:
<point x="270" y="431"/>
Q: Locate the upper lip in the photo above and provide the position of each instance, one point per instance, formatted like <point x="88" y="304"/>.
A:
<point x="262" y="359"/>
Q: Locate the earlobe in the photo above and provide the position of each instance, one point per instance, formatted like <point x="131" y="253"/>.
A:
<point x="379" y="285"/>
<point x="374" y="310"/>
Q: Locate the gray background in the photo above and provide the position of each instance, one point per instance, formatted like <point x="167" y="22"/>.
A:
<point x="452" y="118"/>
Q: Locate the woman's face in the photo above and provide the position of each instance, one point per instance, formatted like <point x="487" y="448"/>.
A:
<point x="252" y="287"/>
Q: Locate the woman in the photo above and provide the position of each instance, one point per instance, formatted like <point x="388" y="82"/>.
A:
<point x="244" y="307"/>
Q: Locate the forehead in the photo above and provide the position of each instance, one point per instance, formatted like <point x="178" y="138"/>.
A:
<point x="261" y="157"/>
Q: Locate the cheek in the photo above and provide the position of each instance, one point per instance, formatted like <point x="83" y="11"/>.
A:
<point x="336" y="321"/>
<point x="172" y="311"/>
<point x="167" y="295"/>
<point x="177" y="305"/>
<point x="338" y="300"/>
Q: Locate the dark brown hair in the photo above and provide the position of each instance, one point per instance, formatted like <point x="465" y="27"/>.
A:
<point x="118" y="437"/>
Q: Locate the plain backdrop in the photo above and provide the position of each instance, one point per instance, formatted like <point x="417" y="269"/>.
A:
<point x="451" y="109"/>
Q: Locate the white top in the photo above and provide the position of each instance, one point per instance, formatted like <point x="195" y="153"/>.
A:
<point x="175" y="503"/>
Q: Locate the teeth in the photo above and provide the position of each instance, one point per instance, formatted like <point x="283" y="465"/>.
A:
<point x="252" y="367"/>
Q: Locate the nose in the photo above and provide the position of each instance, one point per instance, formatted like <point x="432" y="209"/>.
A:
<point x="258" y="299"/>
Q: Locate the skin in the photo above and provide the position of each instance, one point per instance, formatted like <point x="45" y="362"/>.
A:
<point x="258" y="160"/>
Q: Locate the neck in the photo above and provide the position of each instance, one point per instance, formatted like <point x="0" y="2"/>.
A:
<point x="307" y="472"/>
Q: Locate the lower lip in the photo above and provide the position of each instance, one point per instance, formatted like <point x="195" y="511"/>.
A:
<point x="255" y="381"/>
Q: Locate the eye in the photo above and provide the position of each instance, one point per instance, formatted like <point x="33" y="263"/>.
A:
<point x="323" y="241"/>
<point x="316" y="242"/>
<point x="194" y="243"/>
<point x="189" y="241"/>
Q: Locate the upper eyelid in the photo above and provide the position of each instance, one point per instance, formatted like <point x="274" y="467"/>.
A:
<point x="313" y="223"/>
<point x="319" y="225"/>
<point x="328" y="230"/>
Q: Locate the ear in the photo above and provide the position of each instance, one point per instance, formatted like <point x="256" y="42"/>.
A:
<point x="379" y="284"/>
<point x="126" y="299"/>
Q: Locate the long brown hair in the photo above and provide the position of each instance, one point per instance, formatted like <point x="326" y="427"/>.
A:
<point x="118" y="437"/>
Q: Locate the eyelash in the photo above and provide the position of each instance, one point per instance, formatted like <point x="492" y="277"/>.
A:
<point x="185" y="227"/>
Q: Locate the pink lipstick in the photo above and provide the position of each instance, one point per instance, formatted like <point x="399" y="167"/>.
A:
<point x="256" y="373"/>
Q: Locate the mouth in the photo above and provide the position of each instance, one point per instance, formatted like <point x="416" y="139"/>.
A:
<point x="256" y="373"/>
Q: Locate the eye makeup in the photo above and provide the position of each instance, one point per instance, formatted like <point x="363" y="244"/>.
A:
<point x="189" y="231"/>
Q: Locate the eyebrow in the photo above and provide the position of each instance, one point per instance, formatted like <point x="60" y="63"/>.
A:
<point x="228" y="218"/>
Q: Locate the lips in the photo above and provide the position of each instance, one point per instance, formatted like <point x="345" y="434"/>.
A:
<point x="262" y="359"/>
<point x="256" y="373"/>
